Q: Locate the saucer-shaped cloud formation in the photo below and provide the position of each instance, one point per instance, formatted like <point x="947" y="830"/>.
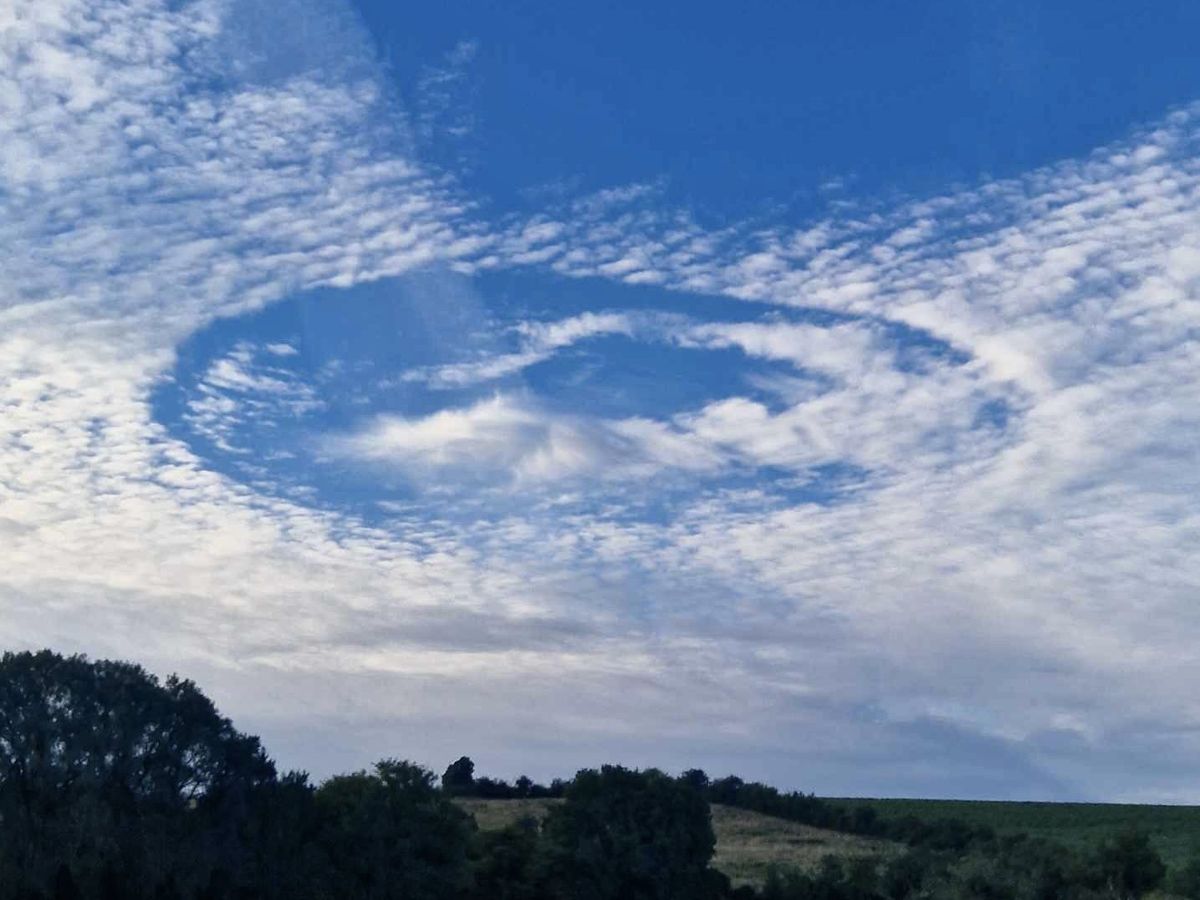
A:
<point x="879" y="502"/>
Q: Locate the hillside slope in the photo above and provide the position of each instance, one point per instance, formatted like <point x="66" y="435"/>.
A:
<point x="747" y="842"/>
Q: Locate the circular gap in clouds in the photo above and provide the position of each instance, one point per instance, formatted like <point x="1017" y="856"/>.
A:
<point x="453" y="395"/>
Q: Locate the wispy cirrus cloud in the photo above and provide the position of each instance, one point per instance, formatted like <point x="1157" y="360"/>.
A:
<point x="539" y="342"/>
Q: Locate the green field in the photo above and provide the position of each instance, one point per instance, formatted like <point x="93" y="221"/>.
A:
<point x="747" y="842"/>
<point x="1174" y="830"/>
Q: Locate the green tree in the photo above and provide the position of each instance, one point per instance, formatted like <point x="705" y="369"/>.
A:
<point x="508" y="865"/>
<point x="1129" y="866"/>
<point x="1185" y="881"/>
<point x="391" y="835"/>
<point x="111" y="780"/>
<point x="627" y="835"/>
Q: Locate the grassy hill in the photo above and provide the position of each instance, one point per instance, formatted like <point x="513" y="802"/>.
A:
<point x="1174" y="830"/>
<point x="747" y="842"/>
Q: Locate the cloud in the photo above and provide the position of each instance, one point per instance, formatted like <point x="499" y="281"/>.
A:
<point x="540" y="340"/>
<point x="505" y="438"/>
<point x="239" y="387"/>
<point x="840" y="351"/>
<point x="1018" y="553"/>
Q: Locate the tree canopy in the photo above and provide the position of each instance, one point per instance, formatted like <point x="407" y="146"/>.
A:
<point x="107" y="773"/>
<point x="621" y="834"/>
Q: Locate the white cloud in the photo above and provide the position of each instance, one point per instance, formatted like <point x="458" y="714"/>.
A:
<point x="509" y="440"/>
<point x="540" y="341"/>
<point x="239" y="387"/>
<point x="841" y="351"/>
<point x="1010" y="579"/>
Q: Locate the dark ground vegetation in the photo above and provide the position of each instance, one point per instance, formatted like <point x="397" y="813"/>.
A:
<point x="117" y="786"/>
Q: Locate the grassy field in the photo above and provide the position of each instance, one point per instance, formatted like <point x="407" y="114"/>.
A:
<point x="747" y="842"/>
<point x="1174" y="830"/>
<point x="492" y="815"/>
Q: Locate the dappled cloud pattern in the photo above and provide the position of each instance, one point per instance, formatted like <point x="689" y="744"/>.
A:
<point x="995" y="559"/>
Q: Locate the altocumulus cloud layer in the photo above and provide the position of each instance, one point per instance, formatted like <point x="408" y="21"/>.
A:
<point x="994" y="594"/>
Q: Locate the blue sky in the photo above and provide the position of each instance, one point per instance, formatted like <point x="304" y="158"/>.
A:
<point x="808" y="393"/>
<point x="745" y="111"/>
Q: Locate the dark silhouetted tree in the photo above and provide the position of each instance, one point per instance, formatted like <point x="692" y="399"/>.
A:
<point x="627" y="835"/>
<point x="509" y="864"/>
<point x="459" y="777"/>
<point x="109" y="773"/>
<point x="391" y="835"/>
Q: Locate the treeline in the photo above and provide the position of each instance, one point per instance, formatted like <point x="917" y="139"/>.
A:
<point x="116" y="786"/>
<point x="459" y="781"/>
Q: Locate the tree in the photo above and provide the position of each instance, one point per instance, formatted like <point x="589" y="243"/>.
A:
<point x="105" y="769"/>
<point x="1185" y="881"/>
<point x="459" y="777"/>
<point x="1129" y="866"/>
<point x="391" y="835"/>
<point x="508" y="867"/>
<point x="904" y="875"/>
<point x="627" y="835"/>
<point x="726" y="790"/>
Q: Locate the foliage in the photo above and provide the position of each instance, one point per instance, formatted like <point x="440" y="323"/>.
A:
<point x="116" y="786"/>
<point x="1129" y="865"/>
<point x="621" y="834"/>
<point x="108" y="775"/>
<point x="1185" y="880"/>
<point x="390" y="835"/>
<point x="459" y="781"/>
<point x="509" y="864"/>
<point x="1172" y="830"/>
<point x="459" y="777"/>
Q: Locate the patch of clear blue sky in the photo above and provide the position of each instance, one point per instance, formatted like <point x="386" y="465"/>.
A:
<point x="749" y="108"/>
<point x="353" y="348"/>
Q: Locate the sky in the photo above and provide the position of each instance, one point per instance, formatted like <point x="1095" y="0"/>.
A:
<point x="805" y="391"/>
